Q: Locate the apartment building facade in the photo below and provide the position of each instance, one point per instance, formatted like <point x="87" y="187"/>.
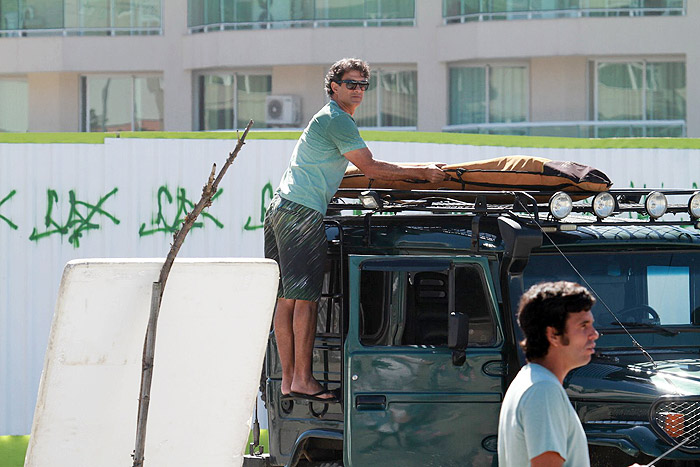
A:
<point x="582" y="68"/>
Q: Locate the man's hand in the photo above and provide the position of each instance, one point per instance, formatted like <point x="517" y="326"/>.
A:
<point x="434" y="174"/>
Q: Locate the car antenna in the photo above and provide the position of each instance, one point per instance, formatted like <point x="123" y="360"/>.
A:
<point x="590" y="287"/>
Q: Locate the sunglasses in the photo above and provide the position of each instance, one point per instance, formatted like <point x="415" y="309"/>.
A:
<point x="351" y="84"/>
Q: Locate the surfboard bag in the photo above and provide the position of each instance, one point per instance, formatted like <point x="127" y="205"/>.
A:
<point x="506" y="173"/>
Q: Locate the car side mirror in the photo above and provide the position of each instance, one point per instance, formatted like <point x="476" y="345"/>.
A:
<point x="458" y="336"/>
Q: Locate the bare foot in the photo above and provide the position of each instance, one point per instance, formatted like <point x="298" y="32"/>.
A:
<point x="286" y="387"/>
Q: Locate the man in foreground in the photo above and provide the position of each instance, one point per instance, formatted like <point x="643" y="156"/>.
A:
<point x="294" y="232"/>
<point x="537" y="425"/>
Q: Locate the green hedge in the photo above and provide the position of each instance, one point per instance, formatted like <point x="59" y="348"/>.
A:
<point x="398" y="136"/>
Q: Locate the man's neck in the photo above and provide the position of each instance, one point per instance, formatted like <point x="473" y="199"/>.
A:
<point x="554" y="365"/>
<point x="350" y="110"/>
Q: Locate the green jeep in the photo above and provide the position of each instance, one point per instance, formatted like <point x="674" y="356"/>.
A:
<point x="417" y="326"/>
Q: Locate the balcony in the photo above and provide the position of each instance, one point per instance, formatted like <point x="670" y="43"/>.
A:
<point x="19" y="18"/>
<point x="222" y="15"/>
<point x="463" y="11"/>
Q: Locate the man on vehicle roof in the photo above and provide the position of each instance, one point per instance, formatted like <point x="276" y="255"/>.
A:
<point x="294" y="232"/>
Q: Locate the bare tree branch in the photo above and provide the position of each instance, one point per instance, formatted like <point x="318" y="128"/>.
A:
<point x="208" y="192"/>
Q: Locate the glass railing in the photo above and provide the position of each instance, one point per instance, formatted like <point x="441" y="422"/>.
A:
<point x="216" y="15"/>
<point x="80" y="17"/>
<point x="462" y="11"/>
<point x="580" y="129"/>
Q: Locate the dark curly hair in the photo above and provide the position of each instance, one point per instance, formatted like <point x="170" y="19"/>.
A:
<point x="339" y="68"/>
<point x="549" y="304"/>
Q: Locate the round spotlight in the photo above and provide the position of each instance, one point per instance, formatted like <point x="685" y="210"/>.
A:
<point x="656" y="204"/>
<point x="603" y="204"/>
<point x="560" y="205"/>
<point x="694" y="205"/>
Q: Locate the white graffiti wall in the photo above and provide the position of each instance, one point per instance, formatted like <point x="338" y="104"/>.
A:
<point x="125" y="198"/>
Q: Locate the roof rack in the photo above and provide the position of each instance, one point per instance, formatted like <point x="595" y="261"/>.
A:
<point x="651" y="206"/>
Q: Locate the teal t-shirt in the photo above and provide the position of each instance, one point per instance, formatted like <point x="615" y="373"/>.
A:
<point x="317" y="165"/>
<point x="536" y="417"/>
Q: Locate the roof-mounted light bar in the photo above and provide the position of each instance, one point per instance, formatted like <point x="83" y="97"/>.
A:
<point x="604" y="205"/>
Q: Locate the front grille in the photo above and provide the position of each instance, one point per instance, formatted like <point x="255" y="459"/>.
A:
<point x="676" y="419"/>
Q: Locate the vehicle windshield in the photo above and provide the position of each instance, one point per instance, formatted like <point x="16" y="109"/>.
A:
<point x="642" y="288"/>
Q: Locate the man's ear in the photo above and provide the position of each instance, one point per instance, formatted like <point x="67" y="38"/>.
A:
<point x="552" y="336"/>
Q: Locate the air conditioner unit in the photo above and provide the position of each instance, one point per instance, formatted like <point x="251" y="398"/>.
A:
<point x="282" y="110"/>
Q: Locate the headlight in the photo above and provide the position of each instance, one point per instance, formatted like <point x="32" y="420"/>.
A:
<point x="603" y="204"/>
<point x="656" y="204"/>
<point x="560" y="205"/>
<point x="694" y="205"/>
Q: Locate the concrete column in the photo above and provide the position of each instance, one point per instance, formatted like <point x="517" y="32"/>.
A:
<point x="54" y="101"/>
<point x="692" y="79"/>
<point x="305" y="82"/>
<point x="433" y="97"/>
<point x="558" y="89"/>
<point x="177" y="81"/>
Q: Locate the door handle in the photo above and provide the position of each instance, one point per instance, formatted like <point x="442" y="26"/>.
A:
<point x="372" y="402"/>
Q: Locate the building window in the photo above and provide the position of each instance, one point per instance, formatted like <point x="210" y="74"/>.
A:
<point x="641" y="90"/>
<point x="122" y="103"/>
<point x="390" y="101"/>
<point x="488" y="94"/>
<point x="212" y="15"/>
<point x="229" y="101"/>
<point x="461" y="11"/>
<point x="14" y="104"/>
<point x="80" y="17"/>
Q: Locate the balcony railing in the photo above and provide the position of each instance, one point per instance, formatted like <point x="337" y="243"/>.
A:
<point x="206" y="16"/>
<point x="580" y="129"/>
<point x="80" y="17"/>
<point x="463" y="11"/>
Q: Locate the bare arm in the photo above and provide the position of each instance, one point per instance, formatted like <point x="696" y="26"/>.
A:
<point x="372" y="168"/>
<point x="547" y="459"/>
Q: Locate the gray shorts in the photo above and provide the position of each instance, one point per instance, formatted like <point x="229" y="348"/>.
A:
<point x="296" y="238"/>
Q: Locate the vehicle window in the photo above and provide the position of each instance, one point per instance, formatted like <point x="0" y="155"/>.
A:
<point x="669" y="290"/>
<point x="471" y="297"/>
<point x="375" y="300"/>
<point x="411" y="308"/>
<point x="639" y="287"/>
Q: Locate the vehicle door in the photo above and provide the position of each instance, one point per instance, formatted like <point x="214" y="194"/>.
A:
<point x="409" y="401"/>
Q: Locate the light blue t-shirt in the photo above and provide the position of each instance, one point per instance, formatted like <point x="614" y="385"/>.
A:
<point x="536" y="417"/>
<point x="317" y="165"/>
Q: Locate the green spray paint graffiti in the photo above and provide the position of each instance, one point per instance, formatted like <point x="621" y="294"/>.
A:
<point x="77" y="222"/>
<point x="265" y="197"/>
<point x="82" y="214"/>
<point x="3" y="201"/>
<point x="183" y="206"/>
